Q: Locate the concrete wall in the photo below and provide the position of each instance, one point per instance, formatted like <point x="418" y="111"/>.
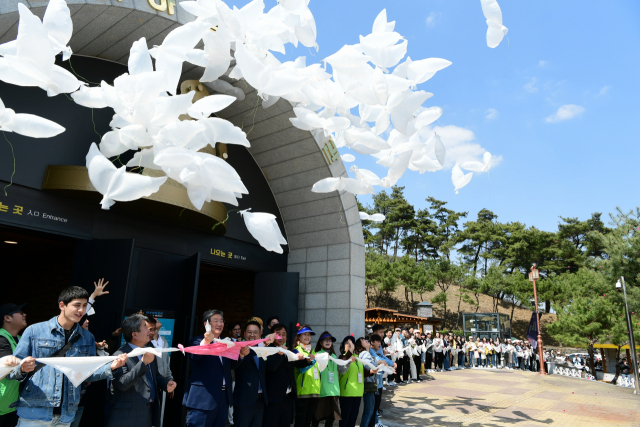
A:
<point x="324" y="230"/>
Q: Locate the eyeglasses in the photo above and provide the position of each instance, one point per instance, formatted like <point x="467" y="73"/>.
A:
<point x="252" y="333"/>
<point x="236" y="329"/>
<point x="217" y="322"/>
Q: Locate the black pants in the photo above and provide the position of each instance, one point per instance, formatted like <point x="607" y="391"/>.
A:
<point x="349" y="408"/>
<point x="305" y="409"/>
<point x="328" y="421"/>
<point x="406" y="368"/>
<point x="498" y="358"/>
<point x="427" y="361"/>
<point x="439" y="360"/>
<point x="9" y="420"/>
<point x="400" y="370"/>
<point x="417" y="360"/>
<point x="279" y="414"/>
<point x="376" y="407"/>
<point x="249" y="416"/>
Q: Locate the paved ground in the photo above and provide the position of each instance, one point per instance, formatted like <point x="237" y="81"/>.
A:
<point x="498" y="398"/>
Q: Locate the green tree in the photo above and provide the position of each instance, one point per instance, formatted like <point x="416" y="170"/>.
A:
<point x="443" y="274"/>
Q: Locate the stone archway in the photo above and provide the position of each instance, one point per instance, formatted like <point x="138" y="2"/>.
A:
<point x="324" y="230"/>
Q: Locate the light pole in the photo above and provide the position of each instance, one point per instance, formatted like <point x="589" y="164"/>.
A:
<point x="632" y="343"/>
<point x="533" y="276"/>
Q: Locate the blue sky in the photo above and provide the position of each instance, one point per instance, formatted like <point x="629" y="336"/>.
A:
<point x="558" y="101"/>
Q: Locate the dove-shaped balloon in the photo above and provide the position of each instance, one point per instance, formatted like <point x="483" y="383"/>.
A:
<point x="377" y="217"/>
<point x="350" y="185"/>
<point x="458" y="178"/>
<point x="348" y="158"/>
<point x="496" y="31"/>
<point x="59" y="27"/>
<point x="116" y="185"/>
<point x="27" y="124"/>
<point x="264" y="228"/>
<point x="207" y="327"/>
<point x="31" y="63"/>
<point x="483" y="166"/>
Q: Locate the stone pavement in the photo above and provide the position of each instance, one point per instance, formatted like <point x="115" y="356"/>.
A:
<point x="498" y="398"/>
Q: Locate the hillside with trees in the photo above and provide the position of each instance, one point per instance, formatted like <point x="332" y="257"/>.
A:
<point x="461" y="262"/>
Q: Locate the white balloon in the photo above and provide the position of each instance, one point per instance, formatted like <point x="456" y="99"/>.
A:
<point x="458" y="178"/>
<point x="483" y="166"/>
<point x="116" y="184"/>
<point x="495" y="31"/>
<point x="27" y="124"/>
<point x="264" y="228"/>
<point x="348" y="158"/>
<point x="378" y="217"/>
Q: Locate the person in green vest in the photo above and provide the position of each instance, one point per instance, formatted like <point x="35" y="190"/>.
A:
<point x="351" y="383"/>
<point x="307" y="379"/>
<point x="328" y="404"/>
<point x="14" y="320"/>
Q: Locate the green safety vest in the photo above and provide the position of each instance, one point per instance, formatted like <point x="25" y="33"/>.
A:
<point x="9" y="389"/>
<point x="308" y="383"/>
<point x="352" y="382"/>
<point x="329" y="379"/>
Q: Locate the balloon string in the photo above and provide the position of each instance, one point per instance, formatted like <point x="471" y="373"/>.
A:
<point x="14" y="164"/>
<point x="255" y="111"/>
<point x="222" y="222"/>
<point x="74" y="72"/>
<point x="94" y="125"/>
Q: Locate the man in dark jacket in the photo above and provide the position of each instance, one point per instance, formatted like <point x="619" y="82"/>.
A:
<point x="281" y="383"/>
<point x="249" y="393"/>
<point x="136" y="386"/>
<point x="208" y="393"/>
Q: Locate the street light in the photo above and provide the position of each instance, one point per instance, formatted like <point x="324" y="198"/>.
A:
<point x="533" y="276"/>
<point x="632" y="344"/>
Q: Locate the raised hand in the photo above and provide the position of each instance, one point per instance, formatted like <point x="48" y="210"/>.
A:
<point x="99" y="288"/>
<point x="208" y="337"/>
<point x="119" y="362"/>
<point x="245" y="351"/>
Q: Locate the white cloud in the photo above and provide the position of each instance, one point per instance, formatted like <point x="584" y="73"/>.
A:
<point x="461" y="146"/>
<point x="565" y="112"/>
<point x="604" y="90"/>
<point x="491" y="114"/>
<point x="531" y="86"/>
<point x="432" y="19"/>
<point x="542" y="64"/>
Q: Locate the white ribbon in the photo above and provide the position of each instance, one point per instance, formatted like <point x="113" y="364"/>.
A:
<point x="78" y="369"/>
<point x="6" y="370"/>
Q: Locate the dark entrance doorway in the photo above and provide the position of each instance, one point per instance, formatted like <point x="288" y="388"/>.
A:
<point x="36" y="267"/>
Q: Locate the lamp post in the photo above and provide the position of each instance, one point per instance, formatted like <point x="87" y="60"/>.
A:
<point x="632" y="343"/>
<point x="533" y="276"/>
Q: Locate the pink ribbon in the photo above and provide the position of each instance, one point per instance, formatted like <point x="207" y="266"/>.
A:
<point x="221" y="349"/>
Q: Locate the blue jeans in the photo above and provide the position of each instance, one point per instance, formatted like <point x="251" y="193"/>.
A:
<point x="472" y="359"/>
<point x="494" y="357"/>
<point x="76" y="420"/>
<point x="22" y="422"/>
<point x="369" y="400"/>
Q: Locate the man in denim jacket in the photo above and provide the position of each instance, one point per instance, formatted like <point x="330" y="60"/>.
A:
<point x="48" y="398"/>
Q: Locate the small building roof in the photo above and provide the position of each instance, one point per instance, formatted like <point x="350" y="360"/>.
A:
<point x="425" y="303"/>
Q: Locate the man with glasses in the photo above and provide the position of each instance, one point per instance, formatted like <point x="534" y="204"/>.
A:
<point x="249" y="395"/>
<point x="208" y="393"/>
<point x="13" y="321"/>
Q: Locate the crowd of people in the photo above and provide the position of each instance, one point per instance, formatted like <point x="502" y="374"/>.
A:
<point x="251" y="391"/>
<point x="416" y="353"/>
<point x="301" y="384"/>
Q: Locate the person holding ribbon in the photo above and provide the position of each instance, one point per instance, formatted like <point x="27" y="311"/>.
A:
<point x="307" y="378"/>
<point x="329" y="403"/>
<point x="48" y="397"/>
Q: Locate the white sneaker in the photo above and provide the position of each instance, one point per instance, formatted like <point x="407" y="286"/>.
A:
<point x="384" y="389"/>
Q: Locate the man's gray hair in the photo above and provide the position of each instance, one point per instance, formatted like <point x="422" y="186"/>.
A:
<point x="210" y="313"/>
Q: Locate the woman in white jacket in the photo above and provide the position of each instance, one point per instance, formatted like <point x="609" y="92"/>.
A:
<point x="438" y="348"/>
